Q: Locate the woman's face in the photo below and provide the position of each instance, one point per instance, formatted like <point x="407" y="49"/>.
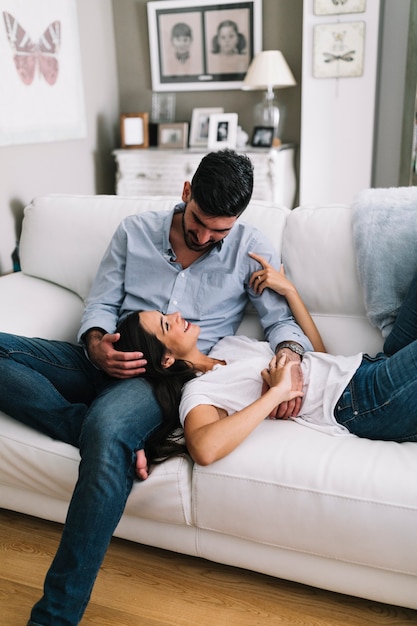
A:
<point x="178" y="335"/>
<point x="227" y="39"/>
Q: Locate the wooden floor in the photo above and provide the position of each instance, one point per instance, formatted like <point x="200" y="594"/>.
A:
<point x="142" y="586"/>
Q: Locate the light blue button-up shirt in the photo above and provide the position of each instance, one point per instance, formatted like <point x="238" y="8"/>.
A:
<point x="139" y="271"/>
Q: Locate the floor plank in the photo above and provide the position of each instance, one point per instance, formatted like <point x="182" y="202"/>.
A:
<point x="143" y="586"/>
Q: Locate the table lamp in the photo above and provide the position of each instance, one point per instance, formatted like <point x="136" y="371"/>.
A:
<point x="268" y="69"/>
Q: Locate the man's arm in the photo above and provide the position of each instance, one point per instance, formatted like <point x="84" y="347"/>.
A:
<point x="274" y="312"/>
<point x="106" y="296"/>
<point x="282" y="331"/>
<point x="102" y="311"/>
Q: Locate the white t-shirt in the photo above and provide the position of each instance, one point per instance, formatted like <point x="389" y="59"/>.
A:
<point x="237" y="384"/>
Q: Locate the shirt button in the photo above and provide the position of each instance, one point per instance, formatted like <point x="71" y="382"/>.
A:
<point x="182" y="275"/>
<point x="175" y="302"/>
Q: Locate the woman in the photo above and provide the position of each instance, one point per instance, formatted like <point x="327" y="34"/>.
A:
<point x="369" y="397"/>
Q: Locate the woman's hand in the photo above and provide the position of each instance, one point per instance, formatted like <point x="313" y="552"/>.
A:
<point x="268" y="276"/>
<point x="280" y="375"/>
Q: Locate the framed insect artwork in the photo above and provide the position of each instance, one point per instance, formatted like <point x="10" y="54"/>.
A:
<point x="337" y="7"/>
<point x="42" y="95"/>
<point x="338" y="50"/>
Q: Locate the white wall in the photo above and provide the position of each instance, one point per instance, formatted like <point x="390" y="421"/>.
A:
<point x="337" y="118"/>
<point x="79" y="166"/>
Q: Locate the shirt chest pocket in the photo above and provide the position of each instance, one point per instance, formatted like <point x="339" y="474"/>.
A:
<point x="214" y="291"/>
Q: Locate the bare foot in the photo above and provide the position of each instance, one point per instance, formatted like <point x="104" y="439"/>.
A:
<point x="141" y="465"/>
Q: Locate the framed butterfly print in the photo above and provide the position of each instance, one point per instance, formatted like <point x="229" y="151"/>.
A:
<point x="338" y="50"/>
<point x="42" y="92"/>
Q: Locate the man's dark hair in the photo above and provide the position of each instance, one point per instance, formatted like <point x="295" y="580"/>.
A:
<point x="223" y="183"/>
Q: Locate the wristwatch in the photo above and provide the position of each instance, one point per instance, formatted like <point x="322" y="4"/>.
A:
<point x="294" y="347"/>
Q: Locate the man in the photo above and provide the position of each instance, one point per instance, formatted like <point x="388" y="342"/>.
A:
<point x="194" y="259"/>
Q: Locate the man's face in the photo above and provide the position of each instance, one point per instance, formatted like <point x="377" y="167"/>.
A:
<point x="201" y="232"/>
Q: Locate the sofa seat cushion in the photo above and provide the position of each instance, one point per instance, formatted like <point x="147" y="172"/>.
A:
<point x="35" y="464"/>
<point x="334" y="497"/>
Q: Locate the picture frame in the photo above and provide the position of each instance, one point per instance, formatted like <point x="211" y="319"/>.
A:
<point x="42" y="93"/>
<point x="337" y="7"/>
<point x="134" y="130"/>
<point x="184" y="47"/>
<point x="262" y="137"/>
<point x="200" y="125"/>
<point x="173" y="135"/>
<point x="339" y="50"/>
<point x="222" y="131"/>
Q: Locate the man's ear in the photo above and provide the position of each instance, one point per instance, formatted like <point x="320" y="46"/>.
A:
<point x="186" y="192"/>
<point x="167" y="360"/>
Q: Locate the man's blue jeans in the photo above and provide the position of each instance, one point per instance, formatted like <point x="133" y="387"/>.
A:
<point x="52" y="387"/>
<point x="381" y="400"/>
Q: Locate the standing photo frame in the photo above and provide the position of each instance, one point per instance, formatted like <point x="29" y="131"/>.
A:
<point x="173" y="135"/>
<point x="200" y="126"/>
<point x="134" y="130"/>
<point x="263" y="136"/>
<point x="222" y="131"/>
<point x="186" y="51"/>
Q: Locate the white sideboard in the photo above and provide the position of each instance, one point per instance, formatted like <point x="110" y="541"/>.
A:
<point x="158" y="171"/>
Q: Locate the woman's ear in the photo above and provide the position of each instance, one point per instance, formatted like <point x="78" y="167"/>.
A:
<point x="167" y="360"/>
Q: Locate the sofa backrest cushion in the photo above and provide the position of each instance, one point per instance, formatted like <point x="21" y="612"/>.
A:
<point x="318" y="254"/>
<point x="64" y="237"/>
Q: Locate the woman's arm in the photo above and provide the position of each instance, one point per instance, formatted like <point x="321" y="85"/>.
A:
<point x="268" y="276"/>
<point x="210" y="433"/>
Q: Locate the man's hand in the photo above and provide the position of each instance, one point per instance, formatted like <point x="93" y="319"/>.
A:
<point x="291" y="408"/>
<point x="114" y="362"/>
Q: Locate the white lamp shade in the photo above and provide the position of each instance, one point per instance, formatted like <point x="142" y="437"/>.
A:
<point x="268" y="69"/>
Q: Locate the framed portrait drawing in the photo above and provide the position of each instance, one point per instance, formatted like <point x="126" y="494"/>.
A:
<point x="263" y="136"/>
<point x="173" y="135"/>
<point x="203" y="44"/>
<point x="200" y="126"/>
<point x="337" y="7"/>
<point x="222" y="131"/>
<point x="338" y="50"/>
<point x="134" y="130"/>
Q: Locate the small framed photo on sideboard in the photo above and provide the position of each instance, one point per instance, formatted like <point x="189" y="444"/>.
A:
<point x="134" y="130"/>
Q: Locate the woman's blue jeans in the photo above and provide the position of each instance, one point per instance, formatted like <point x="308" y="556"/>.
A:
<point x="381" y="400"/>
<point x="52" y="387"/>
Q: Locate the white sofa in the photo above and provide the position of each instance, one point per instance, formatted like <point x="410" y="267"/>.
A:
<point x="338" y="513"/>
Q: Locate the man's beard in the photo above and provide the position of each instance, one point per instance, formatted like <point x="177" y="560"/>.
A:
<point x="190" y="243"/>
